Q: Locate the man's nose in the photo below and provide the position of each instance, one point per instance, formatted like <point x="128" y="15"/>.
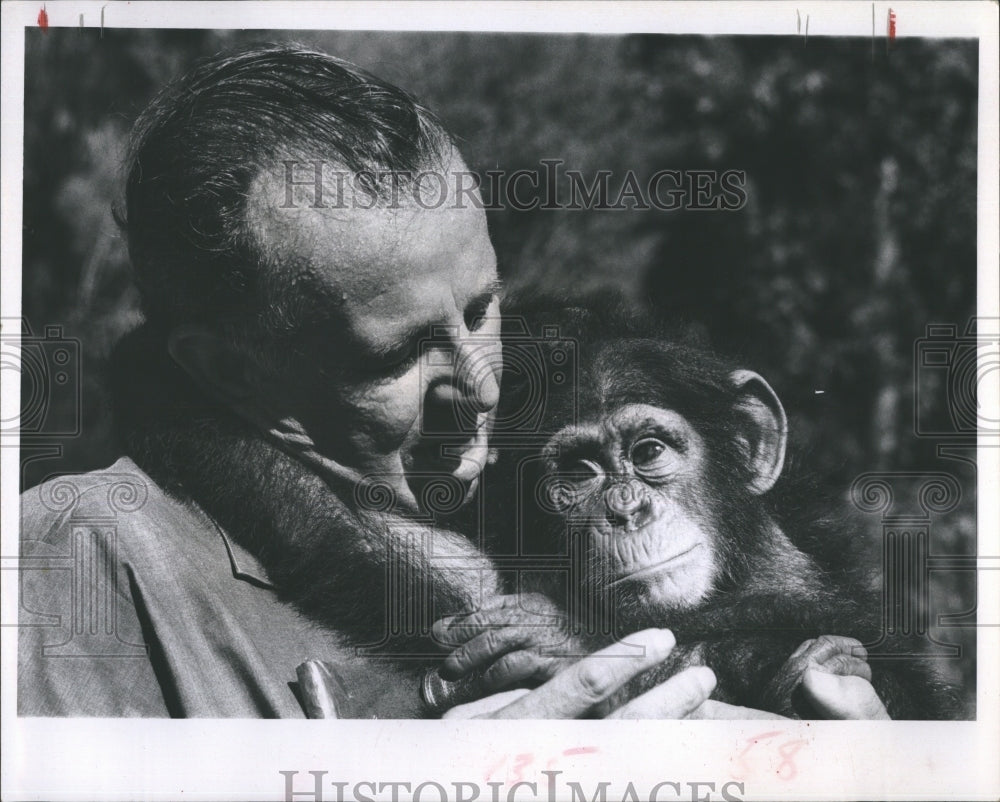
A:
<point x="476" y="369"/>
<point x="468" y="387"/>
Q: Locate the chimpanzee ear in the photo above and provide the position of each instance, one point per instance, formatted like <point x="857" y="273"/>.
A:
<point x="765" y="435"/>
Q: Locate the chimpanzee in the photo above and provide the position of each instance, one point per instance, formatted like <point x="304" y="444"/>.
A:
<point x="654" y="472"/>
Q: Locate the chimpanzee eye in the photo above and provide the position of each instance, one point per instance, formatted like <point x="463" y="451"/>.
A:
<point x="645" y="452"/>
<point x="579" y="471"/>
<point x="569" y="483"/>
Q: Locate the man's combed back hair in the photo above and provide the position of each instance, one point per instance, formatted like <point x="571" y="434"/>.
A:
<point x="196" y="150"/>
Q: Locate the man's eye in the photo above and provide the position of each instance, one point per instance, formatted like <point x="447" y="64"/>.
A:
<point x="475" y="315"/>
<point x="398" y="361"/>
<point x="646" y="452"/>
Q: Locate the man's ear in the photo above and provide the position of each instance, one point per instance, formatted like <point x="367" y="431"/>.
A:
<point x="213" y="363"/>
<point x="765" y="434"/>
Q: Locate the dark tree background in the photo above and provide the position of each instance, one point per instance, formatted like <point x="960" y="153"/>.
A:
<point x="859" y="228"/>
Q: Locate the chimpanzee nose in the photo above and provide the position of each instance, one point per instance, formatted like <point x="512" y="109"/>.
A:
<point x="625" y="499"/>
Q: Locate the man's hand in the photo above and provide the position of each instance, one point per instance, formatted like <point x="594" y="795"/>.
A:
<point x="843" y="697"/>
<point x="579" y="688"/>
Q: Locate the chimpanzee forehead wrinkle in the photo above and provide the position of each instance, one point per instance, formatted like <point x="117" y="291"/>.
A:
<point x="663" y="375"/>
<point x="583" y="433"/>
<point x="633" y="421"/>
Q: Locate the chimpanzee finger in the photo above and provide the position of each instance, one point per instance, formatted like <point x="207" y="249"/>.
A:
<point x="517" y="667"/>
<point x="458" y="629"/>
<point x="846" y="666"/>
<point x="454" y="630"/>
<point x="825" y="646"/>
<point x="444" y="634"/>
<point x="527" y="603"/>
<point x="484" y="649"/>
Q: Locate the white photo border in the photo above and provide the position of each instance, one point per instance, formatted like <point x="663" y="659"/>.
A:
<point x="119" y="759"/>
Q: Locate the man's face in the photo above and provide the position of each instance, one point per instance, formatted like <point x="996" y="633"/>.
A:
<point x="402" y="379"/>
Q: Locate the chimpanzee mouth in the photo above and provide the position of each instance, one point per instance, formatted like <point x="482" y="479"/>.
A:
<point x="656" y="568"/>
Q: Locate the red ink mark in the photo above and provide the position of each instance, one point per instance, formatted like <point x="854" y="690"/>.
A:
<point x="786" y="750"/>
<point x="787" y="768"/>
<point x="515" y="766"/>
<point x="522" y="761"/>
<point x="892" y="24"/>
<point x="494" y="767"/>
<point x="43" y="20"/>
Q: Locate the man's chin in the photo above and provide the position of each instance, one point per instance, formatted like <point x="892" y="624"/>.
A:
<point x="443" y="490"/>
<point x="443" y="476"/>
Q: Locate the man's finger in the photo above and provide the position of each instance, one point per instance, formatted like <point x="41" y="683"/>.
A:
<point x="485" y="707"/>
<point x="837" y="697"/>
<point x="679" y="696"/>
<point x="573" y="692"/>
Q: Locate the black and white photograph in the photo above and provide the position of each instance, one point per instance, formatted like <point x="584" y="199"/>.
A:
<point x="628" y="373"/>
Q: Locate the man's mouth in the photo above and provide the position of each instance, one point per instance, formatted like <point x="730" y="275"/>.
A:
<point x="457" y="456"/>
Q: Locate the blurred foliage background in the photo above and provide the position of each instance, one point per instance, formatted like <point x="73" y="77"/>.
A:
<point x="859" y="229"/>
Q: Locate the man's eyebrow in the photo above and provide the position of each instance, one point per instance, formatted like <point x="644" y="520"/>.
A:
<point x="408" y="338"/>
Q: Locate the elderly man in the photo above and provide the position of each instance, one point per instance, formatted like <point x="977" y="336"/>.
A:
<point x="320" y="294"/>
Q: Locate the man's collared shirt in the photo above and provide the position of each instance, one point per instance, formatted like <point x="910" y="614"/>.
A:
<point x="133" y="603"/>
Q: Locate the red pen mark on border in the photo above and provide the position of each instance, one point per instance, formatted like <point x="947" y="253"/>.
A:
<point x="516" y="766"/>
<point x="786" y="750"/>
<point x="43" y="20"/>
<point x="892" y="24"/>
<point x="493" y="768"/>
<point x="521" y="762"/>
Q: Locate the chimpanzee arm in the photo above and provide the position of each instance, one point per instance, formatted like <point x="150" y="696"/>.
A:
<point x="760" y="647"/>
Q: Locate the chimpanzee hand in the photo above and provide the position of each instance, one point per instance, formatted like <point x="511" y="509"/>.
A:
<point x="515" y="638"/>
<point x="830" y="654"/>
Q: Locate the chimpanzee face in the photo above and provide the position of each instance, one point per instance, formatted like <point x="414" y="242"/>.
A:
<point x="635" y="482"/>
